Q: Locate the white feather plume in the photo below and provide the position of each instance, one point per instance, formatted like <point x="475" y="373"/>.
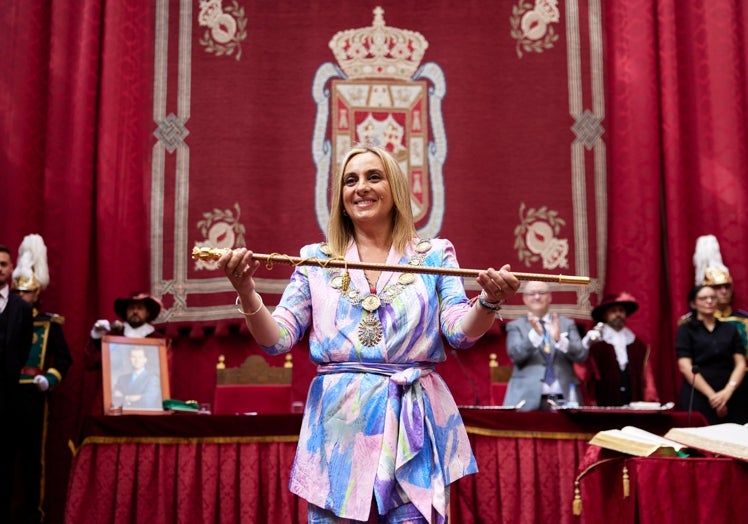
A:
<point x="707" y="256"/>
<point x="32" y="260"/>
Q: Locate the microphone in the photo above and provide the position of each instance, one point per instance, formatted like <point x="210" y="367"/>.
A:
<point x="468" y="377"/>
<point x="694" y="372"/>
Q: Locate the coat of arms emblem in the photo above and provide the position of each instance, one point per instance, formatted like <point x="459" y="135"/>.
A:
<point x="379" y="94"/>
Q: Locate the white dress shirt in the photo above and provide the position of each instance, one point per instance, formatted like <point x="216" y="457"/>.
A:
<point x="4" y="297"/>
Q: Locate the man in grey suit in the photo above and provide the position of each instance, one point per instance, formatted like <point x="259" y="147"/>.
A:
<point x="543" y="347"/>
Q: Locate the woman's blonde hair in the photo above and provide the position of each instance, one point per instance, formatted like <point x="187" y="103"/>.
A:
<point x="340" y="229"/>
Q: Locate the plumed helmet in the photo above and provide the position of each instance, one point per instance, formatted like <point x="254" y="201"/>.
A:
<point x="31" y="272"/>
<point x="707" y="261"/>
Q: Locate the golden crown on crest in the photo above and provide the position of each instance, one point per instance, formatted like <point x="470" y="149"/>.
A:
<point x="379" y="51"/>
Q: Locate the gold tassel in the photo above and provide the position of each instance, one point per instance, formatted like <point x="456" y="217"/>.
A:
<point x="577" y="505"/>
<point x="626" y="486"/>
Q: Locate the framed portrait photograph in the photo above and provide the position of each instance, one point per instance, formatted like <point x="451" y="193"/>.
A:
<point x="135" y="374"/>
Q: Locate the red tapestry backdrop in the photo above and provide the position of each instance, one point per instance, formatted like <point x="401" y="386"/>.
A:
<point x="250" y="126"/>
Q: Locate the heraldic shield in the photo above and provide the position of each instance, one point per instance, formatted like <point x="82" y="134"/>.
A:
<point x="378" y="95"/>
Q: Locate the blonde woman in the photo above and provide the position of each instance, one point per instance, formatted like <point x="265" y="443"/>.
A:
<point x="381" y="438"/>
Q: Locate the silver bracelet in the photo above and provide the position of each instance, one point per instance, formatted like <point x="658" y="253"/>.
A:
<point x="251" y="314"/>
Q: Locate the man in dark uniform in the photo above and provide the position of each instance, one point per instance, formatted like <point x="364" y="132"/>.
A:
<point x="16" y="331"/>
<point x="618" y="368"/>
<point x="47" y="364"/>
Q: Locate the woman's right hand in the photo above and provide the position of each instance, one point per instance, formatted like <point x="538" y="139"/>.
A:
<point x="240" y="267"/>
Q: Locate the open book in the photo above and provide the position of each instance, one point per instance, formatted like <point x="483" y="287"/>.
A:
<point x="635" y="441"/>
<point x="729" y="440"/>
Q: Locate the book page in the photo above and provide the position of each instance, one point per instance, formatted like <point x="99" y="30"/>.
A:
<point x="652" y="438"/>
<point x="727" y="439"/>
<point x="632" y="444"/>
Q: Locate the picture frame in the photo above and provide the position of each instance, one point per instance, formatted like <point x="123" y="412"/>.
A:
<point x="135" y="375"/>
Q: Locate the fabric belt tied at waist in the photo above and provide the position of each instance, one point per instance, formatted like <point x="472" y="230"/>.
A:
<point x="402" y="374"/>
<point x="414" y="430"/>
<point x="411" y="425"/>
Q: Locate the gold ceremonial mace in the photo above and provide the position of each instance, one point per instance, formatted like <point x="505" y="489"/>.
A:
<point x="209" y="253"/>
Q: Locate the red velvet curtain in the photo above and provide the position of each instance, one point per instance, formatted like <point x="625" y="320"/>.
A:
<point x="77" y="130"/>
<point x="676" y="132"/>
<point x="75" y="104"/>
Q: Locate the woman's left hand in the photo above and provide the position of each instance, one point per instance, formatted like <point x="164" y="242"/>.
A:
<point x="499" y="285"/>
<point x="719" y="400"/>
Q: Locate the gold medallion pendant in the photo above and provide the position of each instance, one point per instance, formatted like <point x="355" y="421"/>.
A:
<point x="370" y="329"/>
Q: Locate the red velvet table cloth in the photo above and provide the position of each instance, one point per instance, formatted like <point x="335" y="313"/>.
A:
<point x="528" y="461"/>
<point x="225" y="468"/>
<point x="663" y="490"/>
<point x="185" y="468"/>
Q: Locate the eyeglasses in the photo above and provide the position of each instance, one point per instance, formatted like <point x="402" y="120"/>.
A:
<point x="533" y="293"/>
<point x="707" y="298"/>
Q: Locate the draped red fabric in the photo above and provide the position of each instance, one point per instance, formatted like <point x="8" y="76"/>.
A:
<point x="189" y="464"/>
<point x="677" y="104"/>
<point x="75" y="128"/>
<point x="528" y="462"/>
<point x="199" y="482"/>
<point x="76" y="112"/>
<point x="664" y="490"/>
<point x="520" y="472"/>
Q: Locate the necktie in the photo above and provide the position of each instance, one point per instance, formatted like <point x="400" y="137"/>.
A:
<point x="550" y="375"/>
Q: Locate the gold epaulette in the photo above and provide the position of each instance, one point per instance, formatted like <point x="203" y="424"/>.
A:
<point x="57" y="319"/>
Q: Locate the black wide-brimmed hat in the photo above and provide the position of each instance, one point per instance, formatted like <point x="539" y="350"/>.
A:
<point x="624" y="299"/>
<point x="152" y="304"/>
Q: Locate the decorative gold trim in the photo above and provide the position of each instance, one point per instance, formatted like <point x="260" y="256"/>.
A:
<point x="187" y="440"/>
<point x="527" y="434"/>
